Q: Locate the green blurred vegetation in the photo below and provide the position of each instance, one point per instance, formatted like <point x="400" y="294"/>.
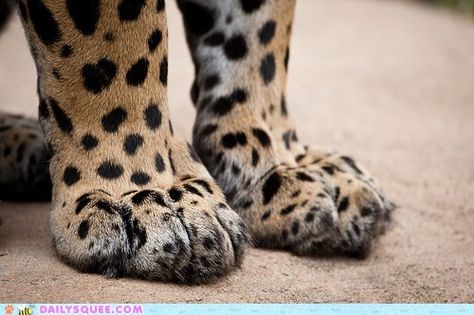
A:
<point x="463" y="5"/>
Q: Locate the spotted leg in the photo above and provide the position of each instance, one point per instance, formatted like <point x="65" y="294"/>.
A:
<point x="246" y="139"/>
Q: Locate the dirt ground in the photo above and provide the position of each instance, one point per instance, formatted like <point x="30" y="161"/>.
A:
<point x="391" y="83"/>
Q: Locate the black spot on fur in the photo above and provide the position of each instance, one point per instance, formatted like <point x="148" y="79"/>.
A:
<point x="138" y="72"/>
<point x="194" y="92"/>
<point x="128" y="193"/>
<point x="366" y="211"/>
<point x="159" y="163"/>
<point x="208" y="130"/>
<point x="158" y="199"/>
<point x="56" y="73"/>
<point x="231" y="140"/>
<point x="249" y="6"/>
<point x="271" y="187"/>
<point x="85" y="14"/>
<point x="215" y="39"/>
<point x="71" y="175"/>
<point x="287" y="58"/>
<point x="211" y="82"/>
<point x="132" y="143"/>
<point x="193" y="190"/>
<point x="343" y="205"/>
<point x="288" y="209"/>
<point x="82" y="202"/>
<point x="171" y="127"/>
<point x="246" y="204"/>
<point x="208" y="242"/>
<point x="109" y="37"/>
<point x="255" y="157"/>
<point x="328" y="169"/>
<point x="170" y="158"/>
<point x="154" y="40"/>
<point x="337" y="192"/>
<point x="83" y="229"/>
<point x="164" y="71"/>
<point x="283" y="108"/>
<point x="89" y="142"/>
<point x="198" y="19"/>
<point x="225" y="104"/>
<point x="160" y="5"/>
<point x="267" y="32"/>
<point x="296" y="193"/>
<point x="349" y="161"/>
<point x="44" y="23"/>
<point x="356" y="228"/>
<point x="262" y="136"/>
<point x="295" y="227"/>
<point x="152" y="116"/>
<point x="304" y="177"/>
<point x="168" y="248"/>
<point x="309" y="217"/>
<point x="140" y="178"/>
<point x="175" y="194"/>
<point x="129" y="10"/>
<point x="66" y="51"/>
<point x="104" y="205"/>
<point x="112" y="121"/>
<point x="98" y="77"/>
<point x="294" y="137"/>
<point x="236" y="47"/>
<point x="204" y="102"/>
<point x="62" y="119"/>
<point x="110" y="170"/>
<point x="268" y="68"/>
<point x="43" y="110"/>
<point x="266" y="215"/>
<point x="204" y="184"/>
<point x="236" y="170"/>
<point x="141" y="196"/>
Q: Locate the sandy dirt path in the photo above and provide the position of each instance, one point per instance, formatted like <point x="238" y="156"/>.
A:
<point x="391" y="83"/>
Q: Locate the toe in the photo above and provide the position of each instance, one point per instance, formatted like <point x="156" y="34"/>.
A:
<point x="295" y="207"/>
<point x="217" y="234"/>
<point x="363" y="209"/>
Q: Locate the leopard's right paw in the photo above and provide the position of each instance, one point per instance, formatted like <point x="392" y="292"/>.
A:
<point x="185" y="234"/>
<point x="363" y="209"/>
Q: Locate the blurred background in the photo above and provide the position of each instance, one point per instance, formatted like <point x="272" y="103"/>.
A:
<point x="466" y="6"/>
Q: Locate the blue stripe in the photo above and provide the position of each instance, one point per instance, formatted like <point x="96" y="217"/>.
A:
<point x="247" y="309"/>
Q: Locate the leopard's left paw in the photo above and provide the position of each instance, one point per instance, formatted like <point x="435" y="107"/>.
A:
<point x="364" y="211"/>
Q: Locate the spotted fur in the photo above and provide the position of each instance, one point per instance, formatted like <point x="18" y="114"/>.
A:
<point x="290" y="196"/>
<point x="130" y="197"/>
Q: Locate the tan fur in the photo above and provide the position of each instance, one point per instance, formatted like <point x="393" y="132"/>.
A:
<point x="132" y="198"/>
<point x="110" y="240"/>
<point x="305" y="213"/>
